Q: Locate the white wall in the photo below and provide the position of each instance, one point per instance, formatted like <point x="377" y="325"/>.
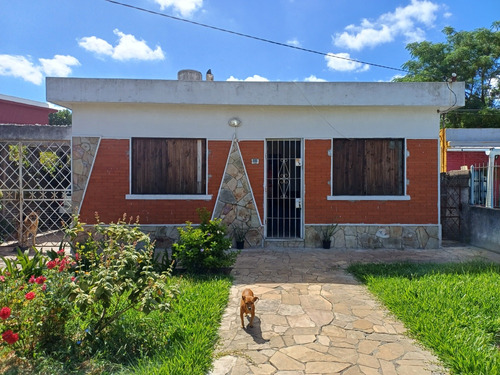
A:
<point x="111" y="120"/>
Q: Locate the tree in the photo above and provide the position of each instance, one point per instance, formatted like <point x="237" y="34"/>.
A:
<point x="474" y="56"/>
<point x="60" y="117"/>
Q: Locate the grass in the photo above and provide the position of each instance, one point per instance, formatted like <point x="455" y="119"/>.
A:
<point x="181" y="341"/>
<point x="192" y="329"/>
<point x="453" y="309"/>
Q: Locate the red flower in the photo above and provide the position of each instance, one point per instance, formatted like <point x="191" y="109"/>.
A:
<point x="32" y="279"/>
<point x="73" y="278"/>
<point x="60" y="252"/>
<point x="2" y="278"/>
<point x="29" y="296"/>
<point x="4" y="313"/>
<point x="10" y="337"/>
<point x="44" y="287"/>
<point x="77" y="256"/>
<point x="40" y="280"/>
<point x="51" y="264"/>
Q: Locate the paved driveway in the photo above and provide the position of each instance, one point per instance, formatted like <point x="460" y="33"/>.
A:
<point x="314" y="318"/>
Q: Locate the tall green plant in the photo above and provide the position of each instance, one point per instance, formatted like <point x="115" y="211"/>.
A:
<point x="116" y="274"/>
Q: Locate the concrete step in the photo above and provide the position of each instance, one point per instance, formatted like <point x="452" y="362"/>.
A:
<point x="284" y="242"/>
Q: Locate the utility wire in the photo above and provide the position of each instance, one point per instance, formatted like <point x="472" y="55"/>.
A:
<point x="253" y="37"/>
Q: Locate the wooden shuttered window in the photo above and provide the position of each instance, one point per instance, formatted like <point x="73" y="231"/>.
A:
<point x="168" y="166"/>
<point x="368" y="167"/>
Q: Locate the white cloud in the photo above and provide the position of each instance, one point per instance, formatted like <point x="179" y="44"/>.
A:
<point x="128" y="48"/>
<point x="96" y="45"/>
<point x="254" y="78"/>
<point x="183" y="7"/>
<point x="21" y="67"/>
<point x="59" y="66"/>
<point x="403" y="21"/>
<point x="341" y="62"/>
<point x="293" y="42"/>
<point x="313" y="78"/>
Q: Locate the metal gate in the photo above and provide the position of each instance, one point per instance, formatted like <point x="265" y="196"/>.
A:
<point x="453" y="193"/>
<point x="284" y="189"/>
<point x="35" y="178"/>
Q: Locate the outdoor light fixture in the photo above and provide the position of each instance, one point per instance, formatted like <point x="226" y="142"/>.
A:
<point x="234" y="122"/>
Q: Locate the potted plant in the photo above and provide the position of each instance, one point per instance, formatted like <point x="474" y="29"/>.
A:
<point x="326" y="235"/>
<point x="239" y="234"/>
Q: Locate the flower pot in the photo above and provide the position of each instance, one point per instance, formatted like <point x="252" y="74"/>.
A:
<point x="327" y="244"/>
<point x="240" y="245"/>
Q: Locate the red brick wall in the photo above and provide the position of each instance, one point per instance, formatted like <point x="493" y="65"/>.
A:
<point x="422" y="171"/>
<point x="255" y="150"/>
<point x="109" y="184"/>
<point x="455" y="159"/>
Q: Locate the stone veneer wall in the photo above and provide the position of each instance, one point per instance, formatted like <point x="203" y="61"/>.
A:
<point x="84" y="151"/>
<point x="235" y="203"/>
<point x="377" y="236"/>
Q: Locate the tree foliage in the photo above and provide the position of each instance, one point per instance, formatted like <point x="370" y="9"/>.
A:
<point x="474" y="56"/>
<point x="63" y="117"/>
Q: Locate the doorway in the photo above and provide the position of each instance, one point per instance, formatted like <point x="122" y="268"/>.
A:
<point x="284" y="188"/>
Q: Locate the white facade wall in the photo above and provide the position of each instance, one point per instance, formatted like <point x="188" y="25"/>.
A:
<point x="110" y="120"/>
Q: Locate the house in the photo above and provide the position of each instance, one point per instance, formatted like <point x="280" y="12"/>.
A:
<point x="462" y="148"/>
<point x="282" y="160"/>
<point x="23" y="111"/>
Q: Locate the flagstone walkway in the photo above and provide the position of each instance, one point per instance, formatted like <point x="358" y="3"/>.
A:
<point x="314" y="318"/>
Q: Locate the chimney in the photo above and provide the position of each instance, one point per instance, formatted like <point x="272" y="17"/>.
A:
<point x="209" y="76"/>
<point x="188" y="75"/>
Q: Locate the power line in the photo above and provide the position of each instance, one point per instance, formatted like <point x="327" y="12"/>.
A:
<point x="253" y="37"/>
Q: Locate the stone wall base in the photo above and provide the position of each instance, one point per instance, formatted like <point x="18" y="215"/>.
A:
<point x="376" y="236"/>
<point x="345" y="237"/>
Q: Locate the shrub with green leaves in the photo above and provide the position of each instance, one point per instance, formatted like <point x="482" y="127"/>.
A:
<point x="115" y="275"/>
<point x="204" y="248"/>
<point x="33" y="310"/>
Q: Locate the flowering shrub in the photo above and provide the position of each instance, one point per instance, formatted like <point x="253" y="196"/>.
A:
<point x="33" y="313"/>
<point x="204" y="248"/>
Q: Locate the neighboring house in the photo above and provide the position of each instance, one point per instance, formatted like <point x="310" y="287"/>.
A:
<point x="462" y="148"/>
<point x="23" y="111"/>
<point x="280" y="159"/>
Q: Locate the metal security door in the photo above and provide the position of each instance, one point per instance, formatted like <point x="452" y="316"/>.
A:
<point x="284" y="189"/>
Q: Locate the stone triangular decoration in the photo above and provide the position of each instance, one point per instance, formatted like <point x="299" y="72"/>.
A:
<point x="235" y="203"/>
<point x="84" y="152"/>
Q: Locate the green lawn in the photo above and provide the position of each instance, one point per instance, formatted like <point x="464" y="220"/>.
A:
<point x="453" y="309"/>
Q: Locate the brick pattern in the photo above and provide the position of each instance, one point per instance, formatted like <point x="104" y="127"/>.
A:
<point x="255" y="150"/>
<point x="109" y="184"/>
<point x="423" y="189"/>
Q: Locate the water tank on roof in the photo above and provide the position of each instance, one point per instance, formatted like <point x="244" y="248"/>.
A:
<point x="189" y="75"/>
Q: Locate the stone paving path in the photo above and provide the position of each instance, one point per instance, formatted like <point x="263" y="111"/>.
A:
<point x="314" y="318"/>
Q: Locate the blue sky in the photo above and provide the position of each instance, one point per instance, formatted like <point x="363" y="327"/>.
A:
<point x="100" y="39"/>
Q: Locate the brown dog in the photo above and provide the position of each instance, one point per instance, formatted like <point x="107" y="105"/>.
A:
<point x="28" y="229"/>
<point x="247" y="306"/>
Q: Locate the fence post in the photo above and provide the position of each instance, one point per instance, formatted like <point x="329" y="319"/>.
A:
<point x="491" y="176"/>
<point x="472" y="185"/>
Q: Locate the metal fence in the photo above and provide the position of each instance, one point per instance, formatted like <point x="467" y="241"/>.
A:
<point x="485" y="185"/>
<point x="35" y="189"/>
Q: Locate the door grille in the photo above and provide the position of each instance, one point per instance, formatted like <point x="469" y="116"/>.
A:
<point x="284" y="189"/>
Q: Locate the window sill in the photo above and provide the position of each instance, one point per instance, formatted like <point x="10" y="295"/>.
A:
<point x="368" y="198"/>
<point x="189" y="197"/>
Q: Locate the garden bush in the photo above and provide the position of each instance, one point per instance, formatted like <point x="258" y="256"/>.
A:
<point x="204" y="248"/>
<point x="64" y="306"/>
